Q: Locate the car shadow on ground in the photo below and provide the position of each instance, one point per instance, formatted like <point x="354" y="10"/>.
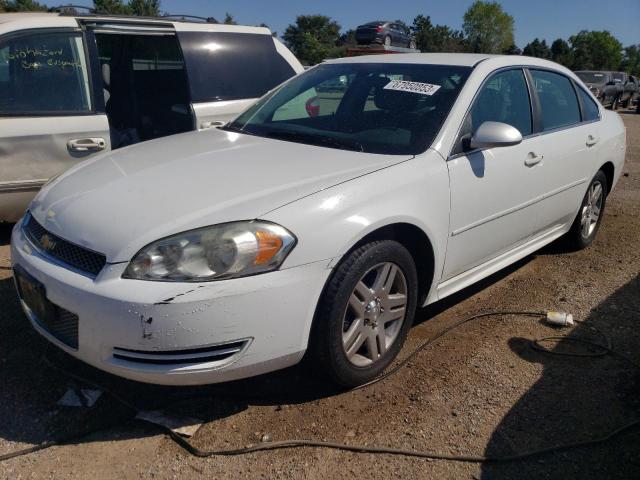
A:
<point x="578" y="399"/>
<point x="32" y="373"/>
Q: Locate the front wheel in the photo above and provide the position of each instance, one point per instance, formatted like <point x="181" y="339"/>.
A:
<point x="587" y="221"/>
<point x="365" y="313"/>
<point x="387" y="41"/>
<point x="614" y="104"/>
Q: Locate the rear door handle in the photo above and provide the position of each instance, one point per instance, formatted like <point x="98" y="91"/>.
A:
<point x="86" y="144"/>
<point x="592" y="140"/>
<point x="212" y="124"/>
<point x="532" y="159"/>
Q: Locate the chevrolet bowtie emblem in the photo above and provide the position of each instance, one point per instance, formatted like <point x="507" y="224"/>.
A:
<point x="47" y="243"/>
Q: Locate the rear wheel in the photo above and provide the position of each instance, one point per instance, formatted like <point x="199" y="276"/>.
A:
<point x="587" y="221"/>
<point x="365" y="313"/>
<point x="387" y="41"/>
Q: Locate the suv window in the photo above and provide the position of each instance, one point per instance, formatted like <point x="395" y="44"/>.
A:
<point x="44" y="73"/>
<point x="503" y="98"/>
<point x="589" y="106"/>
<point x="231" y="66"/>
<point x="558" y="99"/>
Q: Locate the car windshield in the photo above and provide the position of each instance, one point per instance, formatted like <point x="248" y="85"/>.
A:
<point x="591" y="77"/>
<point x="385" y="108"/>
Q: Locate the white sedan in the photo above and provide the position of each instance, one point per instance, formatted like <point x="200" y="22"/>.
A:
<point x="216" y="255"/>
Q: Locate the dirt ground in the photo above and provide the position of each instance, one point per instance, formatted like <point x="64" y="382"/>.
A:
<point x="481" y="390"/>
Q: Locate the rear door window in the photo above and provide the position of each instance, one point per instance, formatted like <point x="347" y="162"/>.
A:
<point x="232" y="66"/>
<point x="44" y="73"/>
<point x="558" y="99"/>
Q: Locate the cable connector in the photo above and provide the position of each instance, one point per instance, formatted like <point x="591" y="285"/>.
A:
<point x="560" y="319"/>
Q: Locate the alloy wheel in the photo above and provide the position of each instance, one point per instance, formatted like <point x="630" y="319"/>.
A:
<point x="591" y="210"/>
<point x="374" y="314"/>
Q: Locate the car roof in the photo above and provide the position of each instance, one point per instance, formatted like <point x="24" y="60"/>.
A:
<point x="52" y="19"/>
<point x="458" y="59"/>
<point x="455" y="59"/>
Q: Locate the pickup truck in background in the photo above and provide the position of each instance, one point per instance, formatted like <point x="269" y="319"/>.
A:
<point x="603" y="86"/>
<point x="628" y="86"/>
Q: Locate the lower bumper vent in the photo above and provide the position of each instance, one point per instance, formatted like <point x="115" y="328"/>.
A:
<point x="213" y="353"/>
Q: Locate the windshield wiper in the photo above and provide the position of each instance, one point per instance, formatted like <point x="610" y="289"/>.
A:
<point x="333" y="142"/>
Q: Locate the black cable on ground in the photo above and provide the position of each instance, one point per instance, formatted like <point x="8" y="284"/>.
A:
<point x="602" y="350"/>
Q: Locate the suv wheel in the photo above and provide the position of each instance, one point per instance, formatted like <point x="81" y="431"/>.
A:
<point x="365" y="313"/>
<point x="387" y="41"/>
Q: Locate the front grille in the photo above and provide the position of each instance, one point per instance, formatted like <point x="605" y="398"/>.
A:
<point x="66" y="252"/>
<point x="213" y="353"/>
<point x="63" y="326"/>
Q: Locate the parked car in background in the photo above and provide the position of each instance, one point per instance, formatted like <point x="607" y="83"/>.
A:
<point x="385" y="33"/>
<point x="628" y="87"/>
<point x="215" y="255"/>
<point x="72" y="86"/>
<point x="603" y="87"/>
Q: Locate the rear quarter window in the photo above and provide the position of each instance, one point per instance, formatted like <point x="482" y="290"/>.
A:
<point x="590" y="109"/>
<point x="232" y="66"/>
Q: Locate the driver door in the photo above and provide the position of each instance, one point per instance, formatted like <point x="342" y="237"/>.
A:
<point x="493" y="195"/>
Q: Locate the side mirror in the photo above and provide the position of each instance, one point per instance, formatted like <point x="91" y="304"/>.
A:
<point x="495" y="134"/>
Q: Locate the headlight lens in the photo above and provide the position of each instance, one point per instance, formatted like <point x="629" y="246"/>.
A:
<point x="223" y="251"/>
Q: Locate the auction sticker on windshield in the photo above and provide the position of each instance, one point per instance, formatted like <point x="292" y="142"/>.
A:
<point x="413" y="87"/>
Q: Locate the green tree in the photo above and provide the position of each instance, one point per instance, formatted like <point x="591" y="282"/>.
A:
<point x="22" y="6"/>
<point x="111" y="7"/>
<point x="595" y="50"/>
<point x="145" y="8"/>
<point x="561" y="53"/>
<point x="488" y="28"/>
<point x="512" y="50"/>
<point x="229" y="20"/>
<point x="537" y="48"/>
<point x="436" y="38"/>
<point x="347" y="39"/>
<point x="631" y="59"/>
<point x="312" y="38"/>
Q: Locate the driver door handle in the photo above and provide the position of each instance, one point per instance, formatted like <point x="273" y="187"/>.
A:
<point x="86" y="144"/>
<point x="592" y="140"/>
<point x="532" y="159"/>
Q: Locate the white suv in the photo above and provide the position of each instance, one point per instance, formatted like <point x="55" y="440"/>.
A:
<point x="74" y="85"/>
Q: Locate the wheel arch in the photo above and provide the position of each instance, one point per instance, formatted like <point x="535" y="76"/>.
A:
<point x="415" y="240"/>
<point x="609" y="171"/>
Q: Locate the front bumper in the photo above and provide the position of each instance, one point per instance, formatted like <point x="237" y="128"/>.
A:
<point x="165" y="332"/>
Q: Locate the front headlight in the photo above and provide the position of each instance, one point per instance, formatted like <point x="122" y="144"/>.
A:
<point x="223" y="251"/>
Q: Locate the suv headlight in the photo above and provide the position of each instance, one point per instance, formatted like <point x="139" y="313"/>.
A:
<point x="229" y="250"/>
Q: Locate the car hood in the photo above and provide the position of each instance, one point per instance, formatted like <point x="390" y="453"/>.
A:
<point x="121" y="201"/>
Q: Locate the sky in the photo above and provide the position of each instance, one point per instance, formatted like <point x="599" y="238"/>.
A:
<point x="545" y="19"/>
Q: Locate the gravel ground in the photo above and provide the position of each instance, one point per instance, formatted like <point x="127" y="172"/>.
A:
<point x="480" y="390"/>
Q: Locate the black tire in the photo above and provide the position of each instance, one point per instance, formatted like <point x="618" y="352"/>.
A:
<point x="386" y="41"/>
<point x="614" y="104"/>
<point x="576" y="237"/>
<point x="328" y="355"/>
